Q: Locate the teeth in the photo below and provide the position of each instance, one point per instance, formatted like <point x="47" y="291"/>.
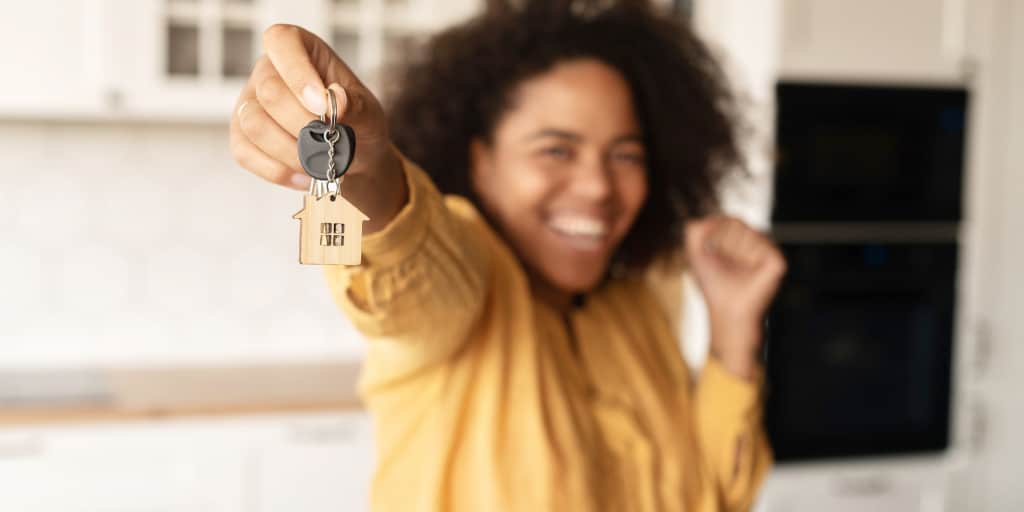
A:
<point x="579" y="226"/>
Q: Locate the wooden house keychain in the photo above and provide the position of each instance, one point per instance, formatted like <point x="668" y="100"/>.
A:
<point x="331" y="228"/>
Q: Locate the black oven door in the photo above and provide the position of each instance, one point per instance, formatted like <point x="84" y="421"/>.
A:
<point x="865" y="154"/>
<point x="859" y="348"/>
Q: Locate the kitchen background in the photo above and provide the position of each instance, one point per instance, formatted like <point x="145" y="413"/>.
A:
<point x="161" y="349"/>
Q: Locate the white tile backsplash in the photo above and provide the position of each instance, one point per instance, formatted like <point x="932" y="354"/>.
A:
<point x="145" y="244"/>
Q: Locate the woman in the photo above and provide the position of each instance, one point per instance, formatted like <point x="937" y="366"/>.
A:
<point x="516" y="361"/>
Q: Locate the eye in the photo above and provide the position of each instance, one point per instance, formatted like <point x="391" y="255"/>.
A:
<point x="557" y="152"/>
<point x="629" y="157"/>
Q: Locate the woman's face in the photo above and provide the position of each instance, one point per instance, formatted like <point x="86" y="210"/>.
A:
<point x="565" y="175"/>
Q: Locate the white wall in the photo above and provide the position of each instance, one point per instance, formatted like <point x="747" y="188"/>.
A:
<point x="744" y="36"/>
<point x="995" y="281"/>
<point x="138" y="244"/>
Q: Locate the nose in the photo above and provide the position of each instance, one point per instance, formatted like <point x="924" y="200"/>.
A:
<point x="593" y="179"/>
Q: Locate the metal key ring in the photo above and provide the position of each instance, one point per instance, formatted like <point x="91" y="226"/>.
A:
<point x="332" y="104"/>
<point x="332" y="136"/>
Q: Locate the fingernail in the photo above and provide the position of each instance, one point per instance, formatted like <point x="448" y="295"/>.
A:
<point x="301" y="181"/>
<point x="241" y="107"/>
<point x="313" y="97"/>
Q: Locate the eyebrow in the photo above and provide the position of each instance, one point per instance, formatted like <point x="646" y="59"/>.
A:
<point x="575" y="137"/>
<point x="554" y="132"/>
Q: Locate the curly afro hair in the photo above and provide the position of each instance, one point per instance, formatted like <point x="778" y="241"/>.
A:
<point x="457" y="88"/>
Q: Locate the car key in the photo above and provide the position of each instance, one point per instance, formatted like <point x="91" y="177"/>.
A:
<point x="331" y="228"/>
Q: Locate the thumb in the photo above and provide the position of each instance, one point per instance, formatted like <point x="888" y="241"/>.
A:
<point x="289" y="48"/>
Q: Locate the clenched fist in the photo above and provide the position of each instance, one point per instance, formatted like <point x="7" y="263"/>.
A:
<point x="738" y="269"/>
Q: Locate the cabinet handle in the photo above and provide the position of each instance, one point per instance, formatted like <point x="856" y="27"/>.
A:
<point x="322" y="433"/>
<point x="982" y="347"/>
<point x="979" y="425"/>
<point x="872" y="485"/>
<point x="20" y="447"/>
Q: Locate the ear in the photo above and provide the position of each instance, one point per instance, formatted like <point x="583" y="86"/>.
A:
<point x="481" y="160"/>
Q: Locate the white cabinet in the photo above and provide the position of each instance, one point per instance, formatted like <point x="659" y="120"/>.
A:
<point x="184" y="60"/>
<point x="180" y="60"/>
<point x="912" y="41"/>
<point x="53" y="57"/>
<point x="307" y="462"/>
<point x="109" y="468"/>
<point x="919" y="484"/>
<point x="316" y="465"/>
<point x="113" y="59"/>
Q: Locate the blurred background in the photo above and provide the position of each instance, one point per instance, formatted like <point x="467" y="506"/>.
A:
<point x="162" y="350"/>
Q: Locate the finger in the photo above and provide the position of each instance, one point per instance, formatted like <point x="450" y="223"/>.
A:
<point x="277" y="99"/>
<point x="738" y="243"/>
<point x="758" y="250"/>
<point x="352" y="104"/>
<point x="724" y="238"/>
<point x="289" y="48"/>
<point x="259" y="163"/>
<point x="268" y="136"/>
<point x="773" y="268"/>
<point x="248" y="94"/>
<point x="774" y="259"/>
<point x="748" y="244"/>
<point x="696" y="236"/>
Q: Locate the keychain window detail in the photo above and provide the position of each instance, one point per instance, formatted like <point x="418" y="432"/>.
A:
<point x="332" y="234"/>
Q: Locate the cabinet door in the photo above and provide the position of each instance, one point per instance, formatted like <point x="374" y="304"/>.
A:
<point x="875" y="40"/>
<point x="189" y="59"/>
<point x="817" y="501"/>
<point x="183" y="59"/>
<point x="82" y="470"/>
<point x="440" y="14"/>
<point x="31" y="482"/>
<point x="119" y="468"/>
<point x="317" y="463"/>
<point x="54" y="55"/>
<point x="880" y="485"/>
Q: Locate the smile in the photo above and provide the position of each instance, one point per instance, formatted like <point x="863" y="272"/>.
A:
<point x="581" y="232"/>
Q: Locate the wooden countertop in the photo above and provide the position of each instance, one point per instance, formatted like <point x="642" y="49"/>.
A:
<point x="161" y="393"/>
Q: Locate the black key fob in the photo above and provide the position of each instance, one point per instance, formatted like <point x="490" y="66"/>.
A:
<point x="313" y="149"/>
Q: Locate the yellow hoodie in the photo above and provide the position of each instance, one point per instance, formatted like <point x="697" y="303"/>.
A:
<point x="487" y="398"/>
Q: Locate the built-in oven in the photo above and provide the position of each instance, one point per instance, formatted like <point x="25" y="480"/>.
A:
<point x="867" y="210"/>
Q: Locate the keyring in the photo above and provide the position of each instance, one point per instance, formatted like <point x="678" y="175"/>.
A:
<point x="332" y="104"/>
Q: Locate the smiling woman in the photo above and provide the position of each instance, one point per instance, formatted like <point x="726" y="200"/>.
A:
<point x="545" y="154"/>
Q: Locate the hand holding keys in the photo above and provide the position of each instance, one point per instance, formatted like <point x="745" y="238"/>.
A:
<point x="272" y="137"/>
